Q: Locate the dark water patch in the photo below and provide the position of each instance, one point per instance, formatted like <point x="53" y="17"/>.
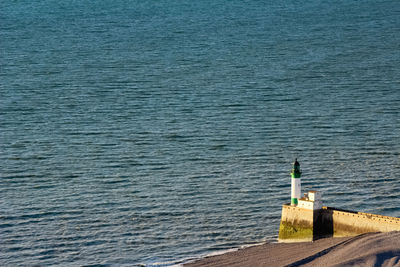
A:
<point x="177" y="137"/>
<point x="43" y="186"/>
<point x="114" y="181"/>
<point x="18" y="178"/>
<point x="95" y="243"/>
<point x="6" y="225"/>
<point x="31" y="216"/>
<point x="46" y="254"/>
<point x="16" y="249"/>
<point x="97" y="265"/>
<point x="218" y="147"/>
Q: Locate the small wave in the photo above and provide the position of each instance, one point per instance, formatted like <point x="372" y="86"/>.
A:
<point x="217" y="147"/>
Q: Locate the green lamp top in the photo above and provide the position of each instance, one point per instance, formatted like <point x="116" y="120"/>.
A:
<point x="296" y="172"/>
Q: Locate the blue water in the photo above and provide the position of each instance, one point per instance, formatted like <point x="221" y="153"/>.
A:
<point x="152" y="132"/>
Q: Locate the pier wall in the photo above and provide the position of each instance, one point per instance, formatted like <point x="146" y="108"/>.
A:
<point x="298" y="224"/>
<point x="350" y="223"/>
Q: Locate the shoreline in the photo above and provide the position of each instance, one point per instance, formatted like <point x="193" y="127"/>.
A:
<point x="367" y="250"/>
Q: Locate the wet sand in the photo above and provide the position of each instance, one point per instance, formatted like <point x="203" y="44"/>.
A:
<point x="372" y="249"/>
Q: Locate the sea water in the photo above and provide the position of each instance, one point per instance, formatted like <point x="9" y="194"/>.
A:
<point x="151" y="132"/>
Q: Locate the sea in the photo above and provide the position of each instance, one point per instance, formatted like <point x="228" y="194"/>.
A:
<point x="155" y="132"/>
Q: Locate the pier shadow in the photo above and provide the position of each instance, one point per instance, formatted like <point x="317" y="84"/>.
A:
<point x="323" y="225"/>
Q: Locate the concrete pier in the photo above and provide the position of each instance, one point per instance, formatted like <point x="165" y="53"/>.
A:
<point x="299" y="224"/>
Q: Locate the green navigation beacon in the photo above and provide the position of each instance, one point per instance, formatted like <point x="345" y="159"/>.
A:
<point x="296" y="183"/>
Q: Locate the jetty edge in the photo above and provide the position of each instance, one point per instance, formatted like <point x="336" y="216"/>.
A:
<point x="305" y="219"/>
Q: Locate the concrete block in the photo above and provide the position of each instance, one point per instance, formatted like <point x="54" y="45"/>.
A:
<point x="299" y="224"/>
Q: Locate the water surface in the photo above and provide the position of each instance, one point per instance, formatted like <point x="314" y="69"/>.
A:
<point x="145" y="132"/>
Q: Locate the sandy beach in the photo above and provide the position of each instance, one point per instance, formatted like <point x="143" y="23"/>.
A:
<point x="372" y="249"/>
